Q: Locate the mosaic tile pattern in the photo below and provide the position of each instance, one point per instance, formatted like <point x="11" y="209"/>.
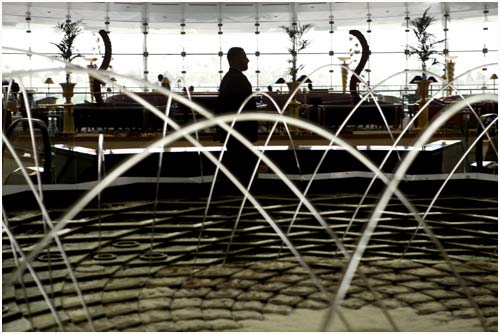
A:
<point x="181" y="288"/>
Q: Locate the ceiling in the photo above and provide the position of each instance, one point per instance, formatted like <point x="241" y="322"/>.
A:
<point x="166" y="14"/>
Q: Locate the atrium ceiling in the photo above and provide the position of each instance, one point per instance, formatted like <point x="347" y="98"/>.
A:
<point x="165" y="14"/>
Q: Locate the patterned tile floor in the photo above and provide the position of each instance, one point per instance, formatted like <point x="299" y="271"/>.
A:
<point x="181" y="288"/>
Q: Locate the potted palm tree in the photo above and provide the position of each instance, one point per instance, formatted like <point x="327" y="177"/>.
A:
<point x="70" y="30"/>
<point x="296" y="32"/>
<point x="426" y="41"/>
<point x="424" y="51"/>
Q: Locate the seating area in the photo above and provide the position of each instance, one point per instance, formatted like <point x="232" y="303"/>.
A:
<point x="329" y="110"/>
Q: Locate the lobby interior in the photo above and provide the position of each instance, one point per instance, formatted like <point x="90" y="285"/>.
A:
<point x="375" y="193"/>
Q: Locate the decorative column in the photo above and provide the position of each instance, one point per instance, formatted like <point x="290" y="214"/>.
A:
<point x="450" y="71"/>
<point x="423" y="92"/>
<point x="344" y="72"/>
<point x="68" y="116"/>
<point x="293" y="109"/>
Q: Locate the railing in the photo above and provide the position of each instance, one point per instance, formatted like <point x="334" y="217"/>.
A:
<point x="82" y="93"/>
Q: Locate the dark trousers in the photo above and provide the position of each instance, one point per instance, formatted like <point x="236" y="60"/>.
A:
<point x="240" y="161"/>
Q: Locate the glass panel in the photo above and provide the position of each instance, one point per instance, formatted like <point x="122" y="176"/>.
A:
<point x="202" y="43"/>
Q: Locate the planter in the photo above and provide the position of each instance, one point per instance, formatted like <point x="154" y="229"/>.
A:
<point x="423" y="93"/>
<point x="291" y="88"/>
<point x="68" y="88"/>
<point x="68" y="117"/>
<point x="294" y="105"/>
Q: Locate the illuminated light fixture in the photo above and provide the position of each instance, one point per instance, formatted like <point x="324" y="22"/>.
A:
<point x="49" y="82"/>
<point x="494" y="77"/>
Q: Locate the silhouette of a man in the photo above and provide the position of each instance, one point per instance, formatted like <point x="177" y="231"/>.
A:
<point x="233" y="91"/>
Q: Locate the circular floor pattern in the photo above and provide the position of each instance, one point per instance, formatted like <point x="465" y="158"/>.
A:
<point x="188" y="288"/>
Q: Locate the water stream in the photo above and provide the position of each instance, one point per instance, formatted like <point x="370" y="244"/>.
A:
<point x="354" y="257"/>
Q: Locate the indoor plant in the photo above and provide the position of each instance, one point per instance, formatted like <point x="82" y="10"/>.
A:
<point x="424" y="50"/>
<point x="67" y="51"/>
<point x="295" y="34"/>
<point x="426" y="41"/>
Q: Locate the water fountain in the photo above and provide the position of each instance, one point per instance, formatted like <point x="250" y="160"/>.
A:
<point x="117" y="258"/>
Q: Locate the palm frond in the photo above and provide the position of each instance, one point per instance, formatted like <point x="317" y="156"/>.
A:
<point x="295" y="35"/>
<point x="71" y="30"/>
<point x="425" y="39"/>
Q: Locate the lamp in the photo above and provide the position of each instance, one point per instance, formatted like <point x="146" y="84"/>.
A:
<point x="432" y="79"/>
<point x="302" y="77"/>
<point x="165" y="83"/>
<point x="416" y="79"/>
<point x="91" y="61"/>
<point x="113" y="79"/>
<point x="494" y="77"/>
<point x="280" y="81"/>
<point x="49" y="82"/>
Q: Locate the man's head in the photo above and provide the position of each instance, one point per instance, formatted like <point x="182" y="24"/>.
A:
<point x="237" y="58"/>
